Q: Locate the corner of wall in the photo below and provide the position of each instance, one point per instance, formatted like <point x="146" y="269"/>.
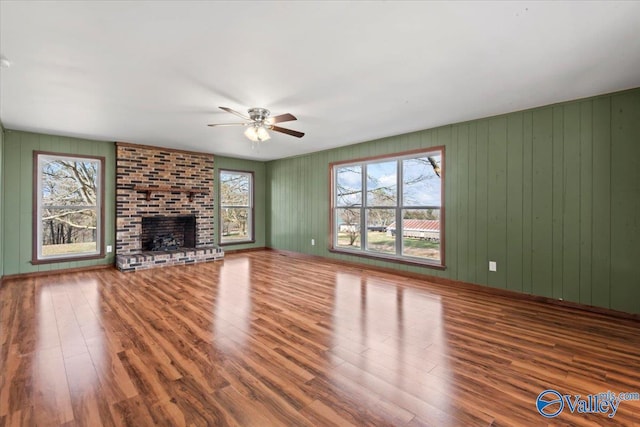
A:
<point x="1" y="202"/>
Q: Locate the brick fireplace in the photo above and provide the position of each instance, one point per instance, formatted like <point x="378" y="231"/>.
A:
<point x="163" y="187"/>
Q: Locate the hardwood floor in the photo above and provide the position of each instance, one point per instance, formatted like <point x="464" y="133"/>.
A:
<point x="264" y="339"/>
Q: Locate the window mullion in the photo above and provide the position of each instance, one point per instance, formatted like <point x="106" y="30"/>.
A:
<point x="399" y="203"/>
<point x="363" y="211"/>
<point x="335" y="207"/>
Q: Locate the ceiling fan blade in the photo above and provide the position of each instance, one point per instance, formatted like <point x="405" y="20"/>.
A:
<point x="281" y="118"/>
<point x="287" y="131"/>
<point x="228" y="124"/>
<point x="229" y="110"/>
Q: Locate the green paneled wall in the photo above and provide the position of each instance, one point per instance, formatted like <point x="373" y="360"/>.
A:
<point x="17" y="197"/>
<point x="259" y="170"/>
<point x="1" y="200"/>
<point x="551" y="194"/>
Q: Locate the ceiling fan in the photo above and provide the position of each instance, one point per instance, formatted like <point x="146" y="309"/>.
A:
<point x="259" y="122"/>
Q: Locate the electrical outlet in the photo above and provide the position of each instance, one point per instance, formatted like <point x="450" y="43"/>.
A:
<point x="313" y="242"/>
<point x="109" y="249"/>
<point x="493" y="266"/>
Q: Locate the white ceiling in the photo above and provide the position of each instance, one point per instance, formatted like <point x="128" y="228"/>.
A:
<point x="155" y="72"/>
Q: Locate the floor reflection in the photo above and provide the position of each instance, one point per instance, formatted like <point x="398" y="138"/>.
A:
<point x="390" y="337"/>
<point x="232" y="310"/>
<point x="71" y="355"/>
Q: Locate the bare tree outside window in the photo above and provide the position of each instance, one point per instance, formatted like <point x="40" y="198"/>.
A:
<point x="68" y="206"/>
<point x="236" y="206"/>
<point x="390" y="206"/>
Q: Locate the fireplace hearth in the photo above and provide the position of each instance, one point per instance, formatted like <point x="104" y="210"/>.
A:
<point x="168" y="240"/>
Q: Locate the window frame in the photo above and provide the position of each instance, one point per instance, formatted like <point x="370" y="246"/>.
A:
<point x="251" y="207"/>
<point x="36" y="257"/>
<point x="362" y="251"/>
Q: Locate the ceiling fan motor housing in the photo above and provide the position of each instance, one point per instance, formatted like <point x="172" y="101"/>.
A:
<point x="258" y="114"/>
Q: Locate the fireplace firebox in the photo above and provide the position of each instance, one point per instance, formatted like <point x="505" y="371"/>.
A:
<point x="175" y="231"/>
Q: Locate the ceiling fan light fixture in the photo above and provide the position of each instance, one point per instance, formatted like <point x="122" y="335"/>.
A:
<point x="263" y="135"/>
<point x="257" y="133"/>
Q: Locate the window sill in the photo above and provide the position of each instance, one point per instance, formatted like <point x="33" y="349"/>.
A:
<point x="239" y="242"/>
<point x="67" y="259"/>
<point x="389" y="258"/>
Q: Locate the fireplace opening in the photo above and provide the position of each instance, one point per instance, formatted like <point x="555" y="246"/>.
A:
<point x="164" y="233"/>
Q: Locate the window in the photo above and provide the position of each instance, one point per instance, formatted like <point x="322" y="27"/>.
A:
<point x="68" y="200"/>
<point x="236" y="207"/>
<point x="390" y="207"/>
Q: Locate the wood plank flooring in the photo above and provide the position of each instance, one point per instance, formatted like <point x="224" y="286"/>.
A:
<point x="264" y="339"/>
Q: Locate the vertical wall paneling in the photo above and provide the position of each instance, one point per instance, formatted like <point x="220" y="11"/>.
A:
<point x="275" y="228"/>
<point x="11" y="229"/>
<point x="1" y="200"/>
<point x="296" y="236"/>
<point x="571" y="212"/>
<point x="312" y="209"/>
<point x="24" y="246"/>
<point x="462" y="206"/>
<point x="471" y="223"/>
<point x="586" y="199"/>
<point x="625" y="202"/>
<point x="542" y="233"/>
<point x="601" y="228"/>
<point x="559" y="185"/>
<point x="321" y="179"/>
<point x="307" y="209"/>
<point x="290" y="190"/>
<point x="514" y="193"/>
<point x="527" y="202"/>
<point x="497" y="200"/>
<point x="448" y="136"/>
<point x="267" y="216"/>
<point x="482" y="202"/>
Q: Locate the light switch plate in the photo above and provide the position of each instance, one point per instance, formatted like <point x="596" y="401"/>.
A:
<point x="493" y="266"/>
